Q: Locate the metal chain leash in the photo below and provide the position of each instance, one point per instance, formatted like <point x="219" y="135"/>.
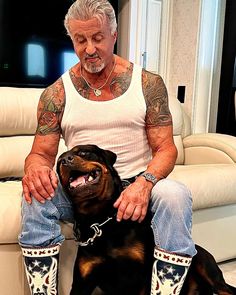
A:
<point x="97" y="233"/>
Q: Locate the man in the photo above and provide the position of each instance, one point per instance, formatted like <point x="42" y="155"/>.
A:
<point x="113" y="103"/>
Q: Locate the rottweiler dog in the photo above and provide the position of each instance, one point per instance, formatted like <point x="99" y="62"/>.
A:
<point x="116" y="256"/>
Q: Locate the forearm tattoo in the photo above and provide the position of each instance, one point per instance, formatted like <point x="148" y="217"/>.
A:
<point x="50" y="110"/>
<point x="156" y="97"/>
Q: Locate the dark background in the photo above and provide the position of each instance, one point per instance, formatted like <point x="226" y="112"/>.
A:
<point x="226" y="122"/>
<point x="33" y="22"/>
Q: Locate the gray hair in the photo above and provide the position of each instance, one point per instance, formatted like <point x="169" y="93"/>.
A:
<point x="87" y="9"/>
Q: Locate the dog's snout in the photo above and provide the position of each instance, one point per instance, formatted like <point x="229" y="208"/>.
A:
<point x="67" y="160"/>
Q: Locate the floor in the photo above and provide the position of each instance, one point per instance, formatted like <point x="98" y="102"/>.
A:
<point x="229" y="271"/>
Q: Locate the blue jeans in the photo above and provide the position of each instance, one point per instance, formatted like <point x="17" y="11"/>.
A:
<point x="170" y="204"/>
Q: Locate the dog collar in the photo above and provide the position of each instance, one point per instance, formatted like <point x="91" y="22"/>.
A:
<point x="97" y="232"/>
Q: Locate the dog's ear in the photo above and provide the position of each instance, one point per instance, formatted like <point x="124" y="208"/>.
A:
<point x="110" y="157"/>
<point x="58" y="163"/>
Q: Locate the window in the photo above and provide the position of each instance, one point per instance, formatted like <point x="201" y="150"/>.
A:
<point x="35" y="60"/>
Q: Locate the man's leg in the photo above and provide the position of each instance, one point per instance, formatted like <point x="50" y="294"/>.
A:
<point x="40" y="240"/>
<point x="171" y="205"/>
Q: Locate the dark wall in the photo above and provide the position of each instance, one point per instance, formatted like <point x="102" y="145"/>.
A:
<point x="35" y="22"/>
<point x="226" y="110"/>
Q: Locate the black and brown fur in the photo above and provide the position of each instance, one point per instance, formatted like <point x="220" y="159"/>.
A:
<point x="120" y="260"/>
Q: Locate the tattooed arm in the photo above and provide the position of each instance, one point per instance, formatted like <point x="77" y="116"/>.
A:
<point x="159" y="126"/>
<point x="40" y="180"/>
<point x="133" y="201"/>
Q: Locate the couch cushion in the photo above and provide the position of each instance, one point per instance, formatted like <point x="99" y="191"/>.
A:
<point x="10" y="213"/>
<point x="211" y="184"/>
<point x="179" y="145"/>
<point x="13" y="150"/>
<point x="181" y="126"/>
<point x="181" y="122"/>
<point x="10" y="196"/>
<point x="18" y="110"/>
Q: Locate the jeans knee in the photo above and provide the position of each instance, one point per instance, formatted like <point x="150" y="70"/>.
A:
<point x="171" y="195"/>
<point x="40" y="224"/>
<point x="171" y="206"/>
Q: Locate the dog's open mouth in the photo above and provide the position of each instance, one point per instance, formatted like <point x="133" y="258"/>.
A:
<point x="79" y="179"/>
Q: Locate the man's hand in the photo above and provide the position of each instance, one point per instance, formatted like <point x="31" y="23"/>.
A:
<point x="39" y="182"/>
<point x="133" y="201"/>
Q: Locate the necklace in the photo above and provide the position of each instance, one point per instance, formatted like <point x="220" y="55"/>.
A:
<point x="97" y="91"/>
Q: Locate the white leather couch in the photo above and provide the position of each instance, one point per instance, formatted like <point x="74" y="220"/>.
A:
<point x="206" y="164"/>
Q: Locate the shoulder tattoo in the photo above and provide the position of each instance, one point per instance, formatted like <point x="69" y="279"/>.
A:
<point x="121" y="82"/>
<point x="156" y="97"/>
<point x="50" y="109"/>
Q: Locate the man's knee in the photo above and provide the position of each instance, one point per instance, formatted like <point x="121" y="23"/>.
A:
<point x="170" y="194"/>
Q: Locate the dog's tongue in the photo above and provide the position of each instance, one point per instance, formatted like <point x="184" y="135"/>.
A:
<point x="81" y="180"/>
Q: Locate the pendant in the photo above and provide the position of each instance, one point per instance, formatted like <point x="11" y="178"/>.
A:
<point x="97" y="92"/>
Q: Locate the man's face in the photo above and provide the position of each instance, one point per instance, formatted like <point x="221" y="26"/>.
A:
<point x="93" y="43"/>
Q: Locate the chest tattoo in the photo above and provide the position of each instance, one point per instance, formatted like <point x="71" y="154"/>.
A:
<point x="119" y="84"/>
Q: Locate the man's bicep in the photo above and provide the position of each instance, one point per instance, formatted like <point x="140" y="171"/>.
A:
<point x="156" y="97"/>
<point x="50" y="109"/>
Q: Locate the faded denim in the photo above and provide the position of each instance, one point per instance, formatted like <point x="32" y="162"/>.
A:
<point x="170" y="203"/>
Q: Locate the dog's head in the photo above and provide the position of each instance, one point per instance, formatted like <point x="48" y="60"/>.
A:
<point x="87" y="175"/>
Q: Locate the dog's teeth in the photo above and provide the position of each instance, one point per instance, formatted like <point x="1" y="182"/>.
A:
<point x="90" y="178"/>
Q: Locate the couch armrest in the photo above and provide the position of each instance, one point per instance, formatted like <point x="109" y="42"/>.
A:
<point x="209" y="148"/>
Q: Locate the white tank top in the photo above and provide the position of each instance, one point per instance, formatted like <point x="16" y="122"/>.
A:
<point x="117" y="125"/>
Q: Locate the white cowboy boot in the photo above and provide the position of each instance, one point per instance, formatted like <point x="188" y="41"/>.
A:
<point x="169" y="272"/>
<point x="41" y="266"/>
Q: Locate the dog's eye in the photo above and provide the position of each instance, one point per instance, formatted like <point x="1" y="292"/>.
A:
<point x="82" y="154"/>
